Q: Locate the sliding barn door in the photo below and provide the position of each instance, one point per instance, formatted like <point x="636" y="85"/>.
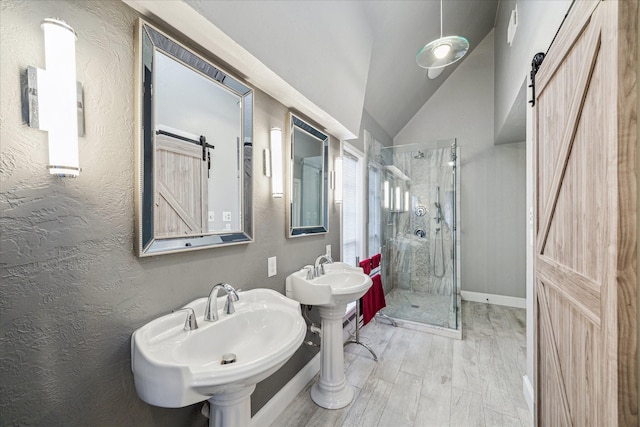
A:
<point x="181" y="189"/>
<point x="586" y="226"/>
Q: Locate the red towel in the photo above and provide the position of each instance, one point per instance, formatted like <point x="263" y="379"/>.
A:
<point x="366" y="265"/>
<point x="373" y="301"/>
<point x="375" y="260"/>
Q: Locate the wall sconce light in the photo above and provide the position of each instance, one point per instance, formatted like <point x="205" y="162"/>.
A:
<point x="52" y="99"/>
<point x="337" y="173"/>
<point x="385" y="194"/>
<point x="277" y="179"/>
<point x="398" y="201"/>
<point x="407" y="200"/>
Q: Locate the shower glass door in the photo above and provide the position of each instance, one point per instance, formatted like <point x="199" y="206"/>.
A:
<point x="419" y="222"/>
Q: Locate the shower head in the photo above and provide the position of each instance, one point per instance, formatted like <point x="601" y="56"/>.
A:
<point x="420" y="155"/>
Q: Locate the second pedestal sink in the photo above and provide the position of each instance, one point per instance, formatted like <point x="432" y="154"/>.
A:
<point x="340" y="284"/>
<point x="331" y="292"/>
<point x="220" y="361"/>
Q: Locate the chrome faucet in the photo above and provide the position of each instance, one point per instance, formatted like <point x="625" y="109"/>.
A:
<point x="191" y="323"/>
<point x="211" y="310"/>
<point x="318" y="269"/>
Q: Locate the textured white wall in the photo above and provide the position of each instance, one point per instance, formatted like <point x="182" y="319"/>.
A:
<point x="72" y="289"/>
<point x="369" y="123"/>
<point x="492" y="177"/>
<point x="538" y="22"/>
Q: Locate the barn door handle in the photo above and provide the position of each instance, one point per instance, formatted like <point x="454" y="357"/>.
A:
<point x="206" y="154"/>
<point x="203" y="143"/>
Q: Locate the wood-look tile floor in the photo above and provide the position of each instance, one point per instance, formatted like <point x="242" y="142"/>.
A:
<point x="424" y="380"/>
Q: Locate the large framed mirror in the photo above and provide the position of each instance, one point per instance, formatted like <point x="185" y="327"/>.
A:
<point x="308" y="179"/>
<point x="194" y="150"/>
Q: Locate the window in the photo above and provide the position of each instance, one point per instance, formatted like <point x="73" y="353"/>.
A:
<point x="352" y="207"/>
<point x="375" y="203"/>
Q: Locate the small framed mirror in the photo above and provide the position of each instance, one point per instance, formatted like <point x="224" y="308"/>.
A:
<point x="194" y="150"/>
<point x="307" y="178"/>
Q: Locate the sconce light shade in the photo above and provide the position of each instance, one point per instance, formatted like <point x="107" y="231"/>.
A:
<point x="53" y="99"/>
<point x="385" y="194"/>
<point x="59" y="111"/>
<point x="277" y="179"/>
<point x="338" y="180"/>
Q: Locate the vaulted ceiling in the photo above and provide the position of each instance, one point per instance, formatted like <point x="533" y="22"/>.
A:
<point x="396" y="86"/>
<point x="331" y="59"/>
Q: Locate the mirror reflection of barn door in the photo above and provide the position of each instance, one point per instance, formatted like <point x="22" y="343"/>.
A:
<point x="585" y="142"/>
<point x="180" y="189"/>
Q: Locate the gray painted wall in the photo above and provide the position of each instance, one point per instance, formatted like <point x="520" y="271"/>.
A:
<point x="72" y="289"/>
<point x="492" y="178"/>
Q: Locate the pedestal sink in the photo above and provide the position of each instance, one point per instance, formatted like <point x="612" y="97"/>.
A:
<point x="331" y="292"/>
<point x="173" y="368"/>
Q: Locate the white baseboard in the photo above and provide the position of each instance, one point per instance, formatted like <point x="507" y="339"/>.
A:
<point x="494" y="299"/>
<point x="274" y="407"/>
<point x="527" y="390"/>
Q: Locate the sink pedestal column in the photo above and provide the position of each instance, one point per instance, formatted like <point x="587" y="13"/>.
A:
<point x="231" y="409"/>
<point x="332" y="391"/>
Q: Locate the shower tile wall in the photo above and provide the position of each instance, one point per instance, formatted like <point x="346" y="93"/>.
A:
<point x="417" y="259"/>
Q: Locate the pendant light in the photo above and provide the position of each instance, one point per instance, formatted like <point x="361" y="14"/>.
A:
<point x="443" y="51"/>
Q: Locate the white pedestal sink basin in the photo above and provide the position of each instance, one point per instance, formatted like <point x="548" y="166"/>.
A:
<point x="174" y="368"/>
<point x="331" y="292"/>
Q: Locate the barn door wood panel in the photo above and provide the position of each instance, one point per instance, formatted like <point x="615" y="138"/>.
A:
<point x="585" y="309"/>
<point x="180" y="190"/>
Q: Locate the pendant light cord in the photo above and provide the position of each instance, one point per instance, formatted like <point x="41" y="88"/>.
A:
<point x="440" y="18"/>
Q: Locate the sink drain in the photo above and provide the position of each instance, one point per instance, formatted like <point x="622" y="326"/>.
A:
<point x="228" y="358"/>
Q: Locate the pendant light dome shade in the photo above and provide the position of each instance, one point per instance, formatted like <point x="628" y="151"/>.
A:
<point x="442" y="52"/>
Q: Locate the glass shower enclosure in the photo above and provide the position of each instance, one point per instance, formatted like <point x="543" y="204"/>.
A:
<point x="419" y="222"/>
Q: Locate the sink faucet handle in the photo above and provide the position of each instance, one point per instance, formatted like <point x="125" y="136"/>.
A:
<point x="191" y="323"/>
<point x="232" y="296"/>
<point x="309" y="272"/>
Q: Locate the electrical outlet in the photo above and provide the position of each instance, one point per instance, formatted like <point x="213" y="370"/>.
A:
<point x="328" y="252"/>
<point x="226" y="216"/>
<point x="272" y="267"/>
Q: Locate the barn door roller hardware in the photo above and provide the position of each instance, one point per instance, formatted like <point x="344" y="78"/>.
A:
<point x="535" y="66"/>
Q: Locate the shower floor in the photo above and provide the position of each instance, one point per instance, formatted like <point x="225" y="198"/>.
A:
<point x="420" y="307"/>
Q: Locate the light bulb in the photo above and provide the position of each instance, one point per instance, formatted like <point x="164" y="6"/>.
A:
<point x="442" y="50"/>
